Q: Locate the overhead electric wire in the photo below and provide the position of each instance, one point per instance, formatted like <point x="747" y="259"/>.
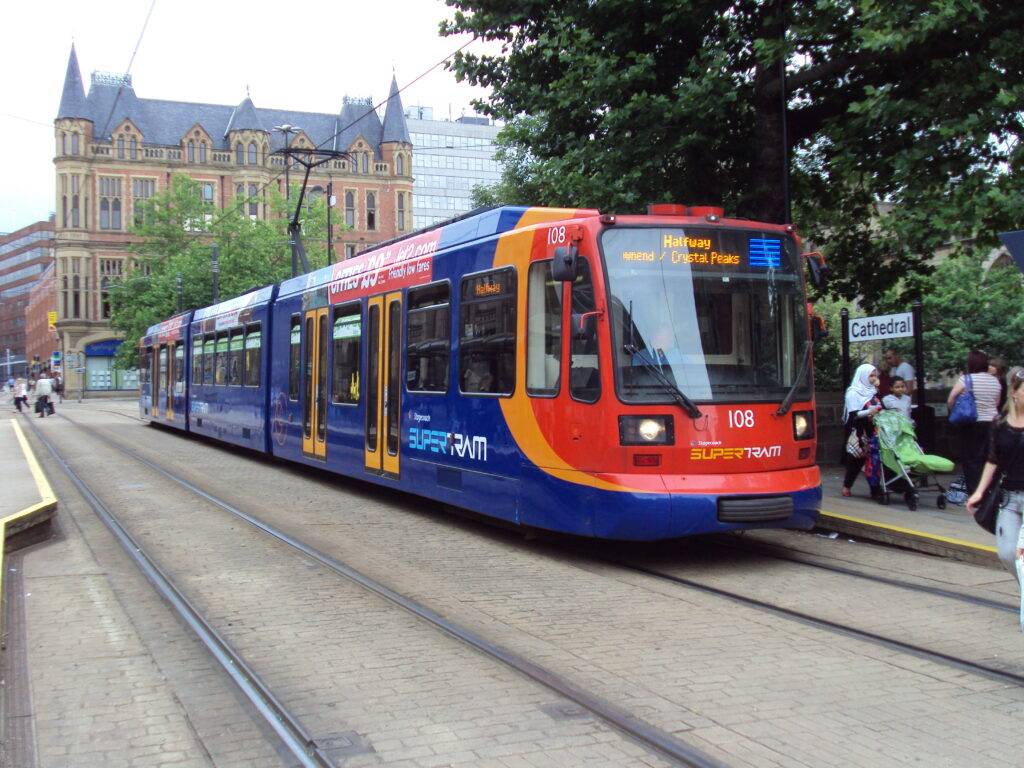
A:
<point x="127" y="72"/>
<point x="240" y="202"/>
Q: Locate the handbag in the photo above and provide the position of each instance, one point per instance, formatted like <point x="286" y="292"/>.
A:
<point x="988" y="510"/>
<point x="854" y="446"/>
<point x="965" y="409"/>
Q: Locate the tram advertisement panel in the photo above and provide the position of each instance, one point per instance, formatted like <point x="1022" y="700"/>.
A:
<point x="400" y="265"/>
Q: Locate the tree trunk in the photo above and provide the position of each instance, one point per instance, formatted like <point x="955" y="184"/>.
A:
<point x="767" y="201"/>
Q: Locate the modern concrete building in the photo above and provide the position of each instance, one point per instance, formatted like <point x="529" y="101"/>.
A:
<point x="451" y="157"/>
<point x="114" y="149"/>
<point x="24" y="256"/>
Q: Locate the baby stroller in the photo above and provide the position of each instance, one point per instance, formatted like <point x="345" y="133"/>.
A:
<point x="905" y="468"/>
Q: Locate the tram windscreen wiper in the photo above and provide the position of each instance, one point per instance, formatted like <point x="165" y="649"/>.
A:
<point x="787" y="401"/>
<point x="677" y="394"/>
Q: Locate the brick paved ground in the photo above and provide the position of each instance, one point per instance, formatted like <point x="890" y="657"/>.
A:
<point x="357" y="671"/>
<point x="115" y="680"/>
<point x="754" y="688"/>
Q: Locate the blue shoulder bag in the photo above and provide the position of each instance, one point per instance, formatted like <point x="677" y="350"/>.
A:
<point x="965" y="409"/>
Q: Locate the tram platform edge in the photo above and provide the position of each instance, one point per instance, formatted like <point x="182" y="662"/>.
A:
<point x="949" y="532"/>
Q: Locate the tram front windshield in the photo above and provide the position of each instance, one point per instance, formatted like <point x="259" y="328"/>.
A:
<point x="717" y="313"/>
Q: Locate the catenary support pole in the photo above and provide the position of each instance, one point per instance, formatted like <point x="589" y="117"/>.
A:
<point x="845" y="343"/>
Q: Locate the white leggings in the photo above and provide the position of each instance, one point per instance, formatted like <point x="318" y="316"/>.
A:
<point x="1008" y="525"/>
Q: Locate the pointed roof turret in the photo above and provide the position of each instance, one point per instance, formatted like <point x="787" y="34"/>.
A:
<point x="72" y="99"/>
<point x="244" y="118"/>
<point x="395" y="127"/>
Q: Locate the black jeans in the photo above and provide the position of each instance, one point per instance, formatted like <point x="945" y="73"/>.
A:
<point x="975" y="439"/>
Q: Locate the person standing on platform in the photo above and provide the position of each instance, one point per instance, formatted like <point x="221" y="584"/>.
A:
<point x="900" y="367"/>
<point x="898" y="400"/>
<point x="997" y="367"/>
<point x="859" y="410"/>
<point x="974" y="437"/>
<point x="1006" y="453"/>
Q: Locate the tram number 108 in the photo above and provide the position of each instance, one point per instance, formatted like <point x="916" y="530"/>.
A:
<point x="739" y="419"/>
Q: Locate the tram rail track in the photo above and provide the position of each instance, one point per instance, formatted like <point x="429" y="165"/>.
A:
<point x="771" y="551"/>
<point x="835" y="627"/>
<point x="286" y="725"/>
<point x="790" y="614"/>
<point x="653" y="738"/>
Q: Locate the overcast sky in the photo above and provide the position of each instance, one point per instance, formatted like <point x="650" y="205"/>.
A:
<point x="299" y="55"/>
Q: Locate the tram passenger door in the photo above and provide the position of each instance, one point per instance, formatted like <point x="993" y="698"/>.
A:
<point x="169" y="383"/>
<point x="383" y="383"/>
<point x="154" y="378"/>
<point x="314" y="365"/>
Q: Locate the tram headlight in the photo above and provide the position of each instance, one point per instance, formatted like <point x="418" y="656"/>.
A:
<point x="646" y="430"/>
<point x="803" y="425"/>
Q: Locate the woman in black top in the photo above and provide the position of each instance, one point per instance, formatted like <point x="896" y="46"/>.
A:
<point x="1006" y="453"/>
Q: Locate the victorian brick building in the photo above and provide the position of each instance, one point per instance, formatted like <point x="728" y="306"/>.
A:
<point x="114" y="149"/>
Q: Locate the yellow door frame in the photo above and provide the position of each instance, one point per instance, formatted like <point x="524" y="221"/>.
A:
<point x="314" y="444"/>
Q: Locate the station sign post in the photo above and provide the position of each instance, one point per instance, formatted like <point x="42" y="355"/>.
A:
<point x="902" y="325"/>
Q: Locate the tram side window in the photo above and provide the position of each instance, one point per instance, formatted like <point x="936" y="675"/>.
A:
<point x="145" y="367"/>
<point x="584" y="363"/>
<point x="346" y="338"/>
<point x="209" y="358"/>
<point x="428" y="338"/>
<point x="197" y="360"/>
<point x="253" y="347"/>
<point x="221" y="368"/>
<point x="235" y="351"/>
<point x="179" y="368"/>
<point x="487" y="333"/>
<point x="543" y="331"/>
<point x="294" y="359"/>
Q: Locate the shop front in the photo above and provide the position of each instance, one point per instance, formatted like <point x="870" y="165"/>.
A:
<point x="100" y="373"/>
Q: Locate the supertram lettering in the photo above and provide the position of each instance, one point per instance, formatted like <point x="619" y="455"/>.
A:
<point x="731" y="454"/>
<point x="436" y="441"/>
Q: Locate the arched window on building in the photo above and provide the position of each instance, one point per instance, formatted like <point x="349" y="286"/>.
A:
<point x="400" y="164"/>
<point x="76" y="296"/>
<point x="64" y="297"/>
<point x="74" y="143"/>
<point x="350" y="209"/>
<point x="239" y="154"/>
<point x="64" y="210"/>
<point x="366" y="163"/>
<point x="120" y="147"/>
<point x="105" y="298"/>
<point x="63" y="143"/>
<point x="401" y="212"/>
<point x="133" y="149"/>
<point x="202" y="152"/>
<point x="104" y="213"/>
<point x="252" y="153"/>
<point x="254" y="204"/>
<point x="191" y="151"/>
<point x="371" y="211"/>
<point x="115" y="214"/>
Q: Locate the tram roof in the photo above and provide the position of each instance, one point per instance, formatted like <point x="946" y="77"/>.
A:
<point x="261" y="296"/>
<point x="475" y="225"/>
<point x="167" y="328"/>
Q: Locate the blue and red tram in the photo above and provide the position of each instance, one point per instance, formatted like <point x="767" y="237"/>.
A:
<point x="624" y="377"/>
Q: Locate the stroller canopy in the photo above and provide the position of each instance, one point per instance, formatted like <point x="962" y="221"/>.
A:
<point x="898" y="445"/>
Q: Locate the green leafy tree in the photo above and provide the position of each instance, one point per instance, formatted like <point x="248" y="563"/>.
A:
<point x="175" y="233"/>
<point x="967" y="306"/>
<point x="904" y="118"/>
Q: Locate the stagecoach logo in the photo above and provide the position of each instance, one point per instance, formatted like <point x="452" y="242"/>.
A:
<point x="731" y="454"/>
<point x="448" y="443"/>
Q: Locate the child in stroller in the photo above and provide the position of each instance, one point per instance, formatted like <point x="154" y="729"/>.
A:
<point x="905" y="467"/>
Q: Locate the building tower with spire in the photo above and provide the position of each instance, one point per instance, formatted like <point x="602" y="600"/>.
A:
<point x="114" y="149"/>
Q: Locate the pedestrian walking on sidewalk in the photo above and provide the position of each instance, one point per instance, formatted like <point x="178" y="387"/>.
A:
<point x="44" y="394"/>
<point x="974" y="438"/>
<point x="20" y="394"/>
<point x="859" y="409"/>
<point x="1006" y="454"/>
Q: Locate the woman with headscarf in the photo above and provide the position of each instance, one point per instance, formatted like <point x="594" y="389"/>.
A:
<point x="859" y="409"/>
